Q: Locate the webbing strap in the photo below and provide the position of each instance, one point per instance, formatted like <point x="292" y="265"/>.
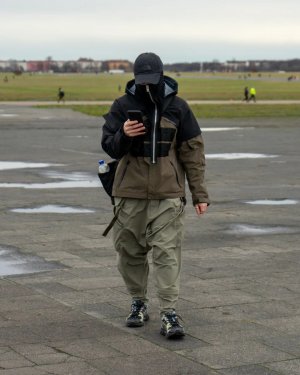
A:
<point x="114" y="219"/>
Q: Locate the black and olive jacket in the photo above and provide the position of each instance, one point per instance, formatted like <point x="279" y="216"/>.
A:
<point x="154" y="165"/>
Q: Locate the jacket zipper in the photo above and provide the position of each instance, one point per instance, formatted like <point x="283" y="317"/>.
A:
<point x="153" y="146"/>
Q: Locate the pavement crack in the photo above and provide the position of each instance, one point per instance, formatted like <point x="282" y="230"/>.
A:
<point x="59" y="350"/>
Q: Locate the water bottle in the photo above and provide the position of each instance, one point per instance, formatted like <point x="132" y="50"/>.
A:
<point x="103" y="167"/>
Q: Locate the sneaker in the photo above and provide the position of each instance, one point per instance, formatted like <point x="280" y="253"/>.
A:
<point x="170" y="326"/>
<point x="138" y="315"/>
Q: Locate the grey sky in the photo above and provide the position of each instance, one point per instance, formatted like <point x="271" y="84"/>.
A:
<point x="178" y="30"/>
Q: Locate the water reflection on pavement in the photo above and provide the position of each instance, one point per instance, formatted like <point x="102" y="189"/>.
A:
<point x="12" y="262"/>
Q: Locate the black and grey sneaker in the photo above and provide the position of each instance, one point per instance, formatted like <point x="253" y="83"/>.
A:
<point x="138" y="315"/>
<point x="170" y="326"/>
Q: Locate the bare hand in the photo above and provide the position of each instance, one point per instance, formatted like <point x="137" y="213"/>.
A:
<point x="201" y="208"/>
<point x="134" y="128"/>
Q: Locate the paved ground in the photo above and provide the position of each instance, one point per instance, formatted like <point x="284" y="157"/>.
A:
<point x="240" y="294"/>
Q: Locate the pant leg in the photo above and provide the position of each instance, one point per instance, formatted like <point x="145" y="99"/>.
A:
<point x="130" y="244"/>
<point x="165" y="235"/>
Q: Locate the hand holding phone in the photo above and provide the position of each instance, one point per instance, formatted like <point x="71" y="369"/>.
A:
<point x="135" y="115"/>
<point x="134" y="126"/>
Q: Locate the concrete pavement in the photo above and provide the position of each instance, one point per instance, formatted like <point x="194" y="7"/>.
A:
<point x="62" y="301"/>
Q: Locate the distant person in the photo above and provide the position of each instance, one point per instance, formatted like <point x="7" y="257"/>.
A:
<point x="5" y="79"/>
<point x="252" y="94"/>
<point x="119" y="88"/>
<point x="246" y="94"/>
<point x="60" y="95"/>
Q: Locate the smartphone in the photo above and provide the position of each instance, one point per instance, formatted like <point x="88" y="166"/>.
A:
<point x="134" y="114"/>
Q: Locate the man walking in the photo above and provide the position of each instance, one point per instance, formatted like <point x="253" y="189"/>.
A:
<point x="60" y="95"/>
<point x="252" y="94"/>
<point x="246" y="94"/>
<point x="156" y="153"/>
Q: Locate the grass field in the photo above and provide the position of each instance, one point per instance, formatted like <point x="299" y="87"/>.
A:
<point x="192" y="86"/>
<point x="211" y="110"/>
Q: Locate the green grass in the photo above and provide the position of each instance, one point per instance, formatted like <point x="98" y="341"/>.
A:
<point x="44" y="87"/>
<point x="214" y="110"/>
<point x="246" y="111"/>
<point x="192" y="86"/>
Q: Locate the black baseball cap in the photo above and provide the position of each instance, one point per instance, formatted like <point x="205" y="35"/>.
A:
<point x="147" y="68"/>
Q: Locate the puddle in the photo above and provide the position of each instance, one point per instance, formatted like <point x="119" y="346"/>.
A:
<point x="221" y="129"/>
<point x="8" y="115"/>
<point x="53" y="209"/>
<point x="71" y="176"/>
<point x="54" y="185"/>
<point x="274" y="202"/>
<point x="12" y="262"/>
<point x="69" y="180"/>
<point x="77" y="136"/>
<point x="6" y="165"/>
<point x="244" y="229"/>
<point x="236" y="155"/>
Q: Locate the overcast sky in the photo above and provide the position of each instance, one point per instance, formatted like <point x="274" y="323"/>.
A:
<point x="177" y="30"/>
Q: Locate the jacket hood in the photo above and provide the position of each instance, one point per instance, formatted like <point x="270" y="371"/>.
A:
<point x="171" y="87"/>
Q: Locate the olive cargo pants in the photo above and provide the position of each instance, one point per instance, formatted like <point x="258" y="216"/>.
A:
<point x="143" y="225"/>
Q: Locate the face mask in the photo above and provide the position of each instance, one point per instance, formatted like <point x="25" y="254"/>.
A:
<point x="157" y="91"/>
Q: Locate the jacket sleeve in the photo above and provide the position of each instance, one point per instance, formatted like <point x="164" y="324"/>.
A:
<point x="192" y="157"/>
<point x="114" y="141"/>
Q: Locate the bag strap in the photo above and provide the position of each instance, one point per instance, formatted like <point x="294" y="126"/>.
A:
<point x="114" y="219"/>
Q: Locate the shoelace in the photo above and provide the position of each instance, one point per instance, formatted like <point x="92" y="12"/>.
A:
<point x="135" y="309"/>
<point x="173" y="319"/>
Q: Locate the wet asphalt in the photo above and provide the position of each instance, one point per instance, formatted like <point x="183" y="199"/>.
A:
<point x="62" y="301"/>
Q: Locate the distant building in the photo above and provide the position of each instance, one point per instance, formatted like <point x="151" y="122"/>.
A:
<point x="236" y="66"/>
<point x="38" y="66"/>
<point x="4" y="65"/>
<point x="87" y="65"/>
<point x="116" y="71"/>
<point x="117" y="65"/>
<point x="12" y="65"/>
<point x="49" y="65"/>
